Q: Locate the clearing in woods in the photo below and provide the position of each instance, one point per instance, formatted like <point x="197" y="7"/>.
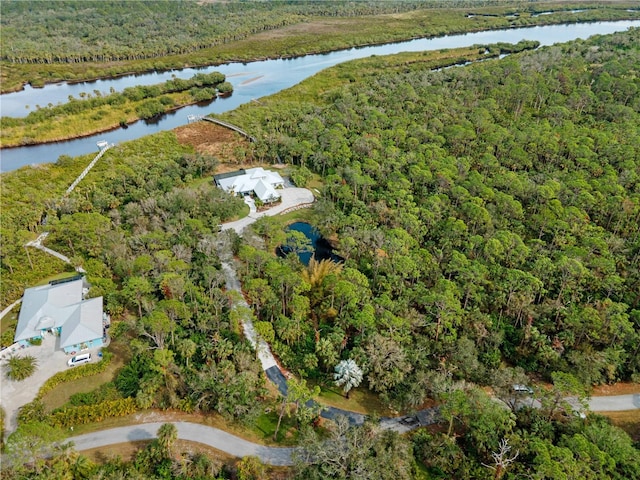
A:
<point x="211" y="139"/>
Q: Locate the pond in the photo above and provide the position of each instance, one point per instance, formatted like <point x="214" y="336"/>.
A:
<point x="322" y="249"/>
<point x="251" y="81"/>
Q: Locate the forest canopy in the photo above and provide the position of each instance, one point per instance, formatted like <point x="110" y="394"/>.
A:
<point x="486" y="213"/>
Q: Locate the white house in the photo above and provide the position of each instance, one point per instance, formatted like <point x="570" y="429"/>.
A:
<point x="60" y="309"/>
<point x="258" y="181"/>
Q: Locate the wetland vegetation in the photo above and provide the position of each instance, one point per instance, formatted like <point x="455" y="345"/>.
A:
<point x="91" y="114"/>
<point x="43" y="45"/>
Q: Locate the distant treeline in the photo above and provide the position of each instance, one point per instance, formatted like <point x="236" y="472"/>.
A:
<point x="71" y="32"/>
<point x="108" y="31"/>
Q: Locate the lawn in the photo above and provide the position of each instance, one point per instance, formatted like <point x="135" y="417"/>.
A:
<point x="62" y="393"/>
<point x="266" y="425"/>
<point x="360" y="400"/>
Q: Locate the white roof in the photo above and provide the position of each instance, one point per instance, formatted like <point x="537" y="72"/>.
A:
<point x="258" y="180"/>
<point x="61" y="305"/>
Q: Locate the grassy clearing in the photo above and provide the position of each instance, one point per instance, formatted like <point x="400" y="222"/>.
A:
<point x="62" y="393"/>
<point x="266" y="425"/>
<point x="360" y="400"/>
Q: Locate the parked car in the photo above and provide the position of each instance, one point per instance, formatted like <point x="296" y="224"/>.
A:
<point x="522" y="389"/>
<point x="79" y="359"/>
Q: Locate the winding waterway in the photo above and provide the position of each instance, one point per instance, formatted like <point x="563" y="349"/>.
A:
<point x="250" y="81"/>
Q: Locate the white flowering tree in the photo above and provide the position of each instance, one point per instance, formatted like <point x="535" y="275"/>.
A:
<point x="348" y="375"/>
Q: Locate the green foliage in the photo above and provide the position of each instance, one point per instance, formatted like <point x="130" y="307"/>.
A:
<point x="66" y="417"/>
<point x="34" y="411"/>
<point x="6" y="339"/>
<point x="301" y="176"/>
<point x="31" y="444"/>
<point x="479" y="205"/>
<point x="20" y="368"/>
<point x="103" y="112"/>
<point x="105" y="392"/>
<point x="75" y="373"/>
<point x="251" y="468"/>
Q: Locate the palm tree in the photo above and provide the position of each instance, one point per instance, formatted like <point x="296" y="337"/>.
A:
<point x="317" y="271"/>
<point x="348" y="375"/>
<point x="314" y="275"/>
<point x="20" y="368"/>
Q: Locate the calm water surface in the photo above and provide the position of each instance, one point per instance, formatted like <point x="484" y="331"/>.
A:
<point x="250" y="81"/>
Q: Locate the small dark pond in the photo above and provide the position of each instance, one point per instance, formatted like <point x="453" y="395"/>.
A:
<point x="321" y="248"/>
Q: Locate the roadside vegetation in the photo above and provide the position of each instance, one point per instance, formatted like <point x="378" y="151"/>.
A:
<point x="167" y="35"/>
<point x="89" y="115"/>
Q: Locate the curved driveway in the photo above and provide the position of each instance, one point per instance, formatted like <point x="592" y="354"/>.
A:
<point x="279" y="456"/>
<point x="291" y="197"/>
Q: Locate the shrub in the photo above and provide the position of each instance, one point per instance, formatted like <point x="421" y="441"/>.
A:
<point x="225" y="87"/>
<point x="20" y="368"/>
<point x="68" y="416"/>
<point x="32" y="412"/>
<point x="35" y="341"/>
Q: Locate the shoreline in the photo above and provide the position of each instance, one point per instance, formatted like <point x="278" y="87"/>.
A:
<point x="274" y="56"/>
<point x="106" y="129"/>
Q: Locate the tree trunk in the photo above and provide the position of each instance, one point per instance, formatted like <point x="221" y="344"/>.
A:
<point x="284" y="404"/>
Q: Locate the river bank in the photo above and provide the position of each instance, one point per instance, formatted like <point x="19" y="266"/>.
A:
<point x="275" y="76"/>
<point x="85" y="124"/>
<point x="320" y="35"/>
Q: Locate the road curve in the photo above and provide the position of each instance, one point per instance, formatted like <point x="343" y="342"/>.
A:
<point x="213" y="437"/>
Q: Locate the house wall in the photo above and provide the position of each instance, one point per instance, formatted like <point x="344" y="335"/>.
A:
<point x="98" y="342"/>
<point x="25" y="343"/>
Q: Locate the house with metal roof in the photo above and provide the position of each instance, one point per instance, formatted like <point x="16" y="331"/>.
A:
<point x="59" y="308"/>
<point x="254" y="181"/>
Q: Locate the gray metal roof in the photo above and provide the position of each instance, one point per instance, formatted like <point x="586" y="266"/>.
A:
<point x="52" y="306"/>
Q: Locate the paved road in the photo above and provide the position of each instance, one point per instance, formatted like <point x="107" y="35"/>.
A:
<point x="193" y="432"/>
<point x="281" y="456"/>
<point x="615" y="403"/>
<point x="291" y="197"/>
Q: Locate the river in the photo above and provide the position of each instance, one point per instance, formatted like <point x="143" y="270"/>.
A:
<point x="251" y="81"/>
